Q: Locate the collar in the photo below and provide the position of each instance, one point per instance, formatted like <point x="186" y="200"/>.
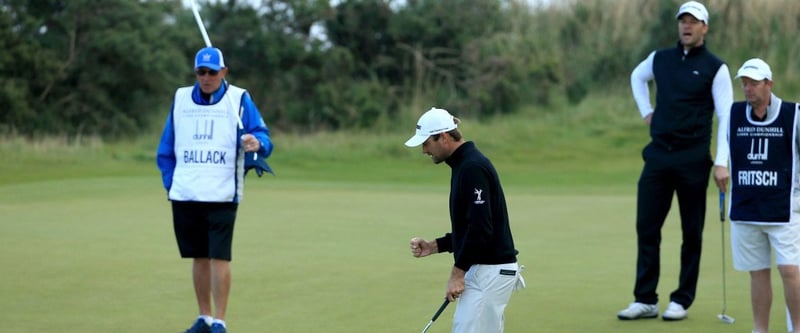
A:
<point x="772" y="109"/>
<point x="458" y="155"/>
<point x="199" y="97"/>
<point x="693" y="51"/>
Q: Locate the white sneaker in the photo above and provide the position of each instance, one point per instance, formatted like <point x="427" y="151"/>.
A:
<point x="674" y="311"/>
<point x="638" y="310"/>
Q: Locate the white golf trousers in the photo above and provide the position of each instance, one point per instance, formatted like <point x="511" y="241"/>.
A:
<point x="486" y="294"/>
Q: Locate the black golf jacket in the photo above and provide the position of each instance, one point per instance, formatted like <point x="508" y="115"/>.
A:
<point x="478" y="215"/>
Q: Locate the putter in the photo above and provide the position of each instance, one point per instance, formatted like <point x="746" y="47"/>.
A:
<point x="436" y="315"/>
<point x="722" y="316"/>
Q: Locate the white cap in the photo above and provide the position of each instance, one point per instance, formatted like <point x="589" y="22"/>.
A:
<point x="755" y="69"/>
<point x="694" y="8"/>
<point x="434" y="121"/>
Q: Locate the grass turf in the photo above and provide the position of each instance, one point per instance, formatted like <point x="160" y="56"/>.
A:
<point x="323" y="247"/>
<point x="98" y="255"/>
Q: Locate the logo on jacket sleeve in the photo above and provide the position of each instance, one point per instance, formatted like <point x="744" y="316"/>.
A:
<point x="478" y="200"/>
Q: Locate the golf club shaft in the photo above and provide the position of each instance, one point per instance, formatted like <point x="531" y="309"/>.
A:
<point x="722" y="238"/>
<point x="427" y="326"/>
<point x="202" y="27"/>
<point x="200" y="24"/>
<point x="441" y="308"/>
<point x="436" y="315"/>
<point x="725" y="318"/>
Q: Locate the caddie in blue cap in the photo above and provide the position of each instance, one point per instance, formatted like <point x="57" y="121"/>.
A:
<point x="213" y="134"/>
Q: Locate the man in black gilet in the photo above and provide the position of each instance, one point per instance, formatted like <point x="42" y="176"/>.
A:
<point x="692" y="85"/>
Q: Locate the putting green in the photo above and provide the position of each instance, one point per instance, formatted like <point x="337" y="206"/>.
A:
<point x="98" y="255"/>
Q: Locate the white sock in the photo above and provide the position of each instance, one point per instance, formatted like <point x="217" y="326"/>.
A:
<point x="207" y="319"/>
<point x="221" y="322"/>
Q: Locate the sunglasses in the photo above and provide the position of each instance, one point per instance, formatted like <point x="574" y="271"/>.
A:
<point x="203" y="72"/>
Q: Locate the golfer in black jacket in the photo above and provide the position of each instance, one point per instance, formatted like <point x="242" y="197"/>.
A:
<point x="485" y="270"/>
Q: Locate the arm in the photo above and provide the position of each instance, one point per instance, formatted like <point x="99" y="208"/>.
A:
<point x="165" y="154"/>
<point x="641" y="75"/>
<point x="796" y="157"/>
<point x="422" y="248"/>
<point x="455" y="285"/>
<point x="722" y="90"/>
<point x="255" y="126"/>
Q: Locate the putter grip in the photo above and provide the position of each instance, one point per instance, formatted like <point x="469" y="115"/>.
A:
<point x="721" y="206"/>
<point x="441" y="308"/>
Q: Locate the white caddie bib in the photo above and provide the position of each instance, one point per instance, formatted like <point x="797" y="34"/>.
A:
<point x="209" y="164"/>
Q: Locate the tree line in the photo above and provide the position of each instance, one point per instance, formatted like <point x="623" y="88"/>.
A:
<point x="110" y="67"/>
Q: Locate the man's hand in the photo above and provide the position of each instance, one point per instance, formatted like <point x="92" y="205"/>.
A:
<point x="250" y="143"/>
<point x="455" y="286"/>
<point x="648" y="119"/>
<point x="422" y="248"/>
<point x="721" y="177"/>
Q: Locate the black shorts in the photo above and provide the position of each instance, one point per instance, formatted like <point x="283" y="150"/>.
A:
<point x="204" y="229"/>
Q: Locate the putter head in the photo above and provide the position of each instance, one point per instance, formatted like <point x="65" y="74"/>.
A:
<point x="725" y="318"/>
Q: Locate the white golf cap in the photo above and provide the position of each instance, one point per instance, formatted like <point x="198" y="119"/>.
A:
<point x="755" y="69"/>
<point x="694" y="8"/>
<point x="434" y="121"/>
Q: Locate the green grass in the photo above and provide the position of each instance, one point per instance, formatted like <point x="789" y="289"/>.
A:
<point x="323" y="246"/>
<point x="98" y="255"/>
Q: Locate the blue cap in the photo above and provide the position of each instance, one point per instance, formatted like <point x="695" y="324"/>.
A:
<point x="210" y="57"/>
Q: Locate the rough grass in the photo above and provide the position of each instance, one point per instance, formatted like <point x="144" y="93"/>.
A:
<point x="596" y="143"/>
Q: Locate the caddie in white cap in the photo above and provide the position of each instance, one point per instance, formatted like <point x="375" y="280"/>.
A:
<point x="755" y="69"/>
<point x="763" y="139"/>
<point x="485" y="270"/>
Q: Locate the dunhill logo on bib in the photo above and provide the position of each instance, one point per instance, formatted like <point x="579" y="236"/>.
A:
<point x="761" y="153"/>
<point x="206" y="132"/>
